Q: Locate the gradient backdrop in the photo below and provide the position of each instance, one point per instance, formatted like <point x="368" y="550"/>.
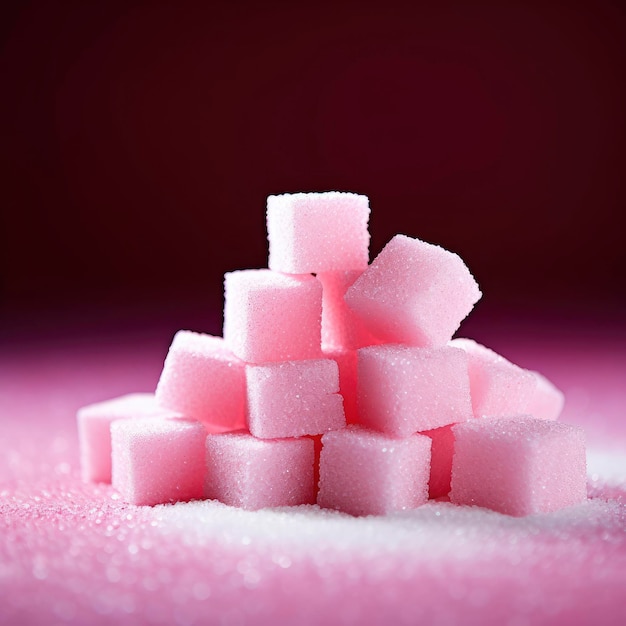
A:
<point x="138" y="142"/>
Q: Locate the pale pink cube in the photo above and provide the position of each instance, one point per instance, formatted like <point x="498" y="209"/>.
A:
<point x="94" y="430"/>
<point x="204" y="380"/>
<point x="518" y="465"/>
<point x="546" y="401"/>
<point x="367" y="473"/>
<point x="500" y="388"/>
<point x="342" y="329"/>
<point x="318" y="232"/>
<point x="347" y="362"/>
<point x="414" y="293"/>
<point x="272" y="317"/>
<point x="252" y="473"/>
<point x="441" y="461"/>
<point x="156" y="461"/>
<point x="294" y="398"/>
<point x="402" y="390"/>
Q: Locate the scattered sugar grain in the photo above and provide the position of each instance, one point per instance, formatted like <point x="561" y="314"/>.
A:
<point x="339" y="559"/>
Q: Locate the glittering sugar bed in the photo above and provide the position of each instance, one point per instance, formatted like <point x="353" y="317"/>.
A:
<point x="74" y="553"/>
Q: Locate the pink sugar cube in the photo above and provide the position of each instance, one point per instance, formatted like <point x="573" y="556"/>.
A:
<point x="347" y="362"/>
<point x="253" y="473"/>
<point x="518" y="465"/>
<point x="294" y="398"/>
<point x="414" y="292"/>
<point x="342" y="329"/>
<point x="272" y="317"/>
<point x="546" y="401"/>
<point x="441" y="460"/>
<point x="94" y="430"/>
<point x="500" y="388"/>
<point x="318" y="232"/>
<point x="402" y="390"/>
<point x="203" y="380"/>
<point x="367" y="473"/>
<point x="156" y="461"/>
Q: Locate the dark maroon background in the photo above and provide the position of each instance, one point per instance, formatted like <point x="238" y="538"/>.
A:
<point x="139" y="141"/>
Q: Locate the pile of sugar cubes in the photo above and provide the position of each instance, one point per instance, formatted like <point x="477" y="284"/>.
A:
<point x="337" y="382"/>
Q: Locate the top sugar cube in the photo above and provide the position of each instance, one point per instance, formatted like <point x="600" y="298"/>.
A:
<point x="318" y="232"/>
<point x="414" y="293"/>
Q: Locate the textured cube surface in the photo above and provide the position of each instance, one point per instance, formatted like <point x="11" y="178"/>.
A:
<point x="202" y="379"/>
<point x="519" y="466"/>
<point x="294" y="398"/>
<point x="317" y="232"/>
<point x="156" y="461"/>
<point x="500" y="388"/>
<point x="414" y="292"/>
<point x="441" y="461"/>
<point x="403" y="389"/>
<point x="367" y="473"/>
<point x="272" y="317"/>
<point x="253" y="473"/>
<point x="342" y="329"/>
<point x="94" y="430"/>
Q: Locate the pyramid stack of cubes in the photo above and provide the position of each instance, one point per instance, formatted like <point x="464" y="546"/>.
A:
<point x="337" y="382"/>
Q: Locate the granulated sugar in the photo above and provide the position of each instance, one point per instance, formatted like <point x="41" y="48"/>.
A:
<point x="76" y="555"/>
